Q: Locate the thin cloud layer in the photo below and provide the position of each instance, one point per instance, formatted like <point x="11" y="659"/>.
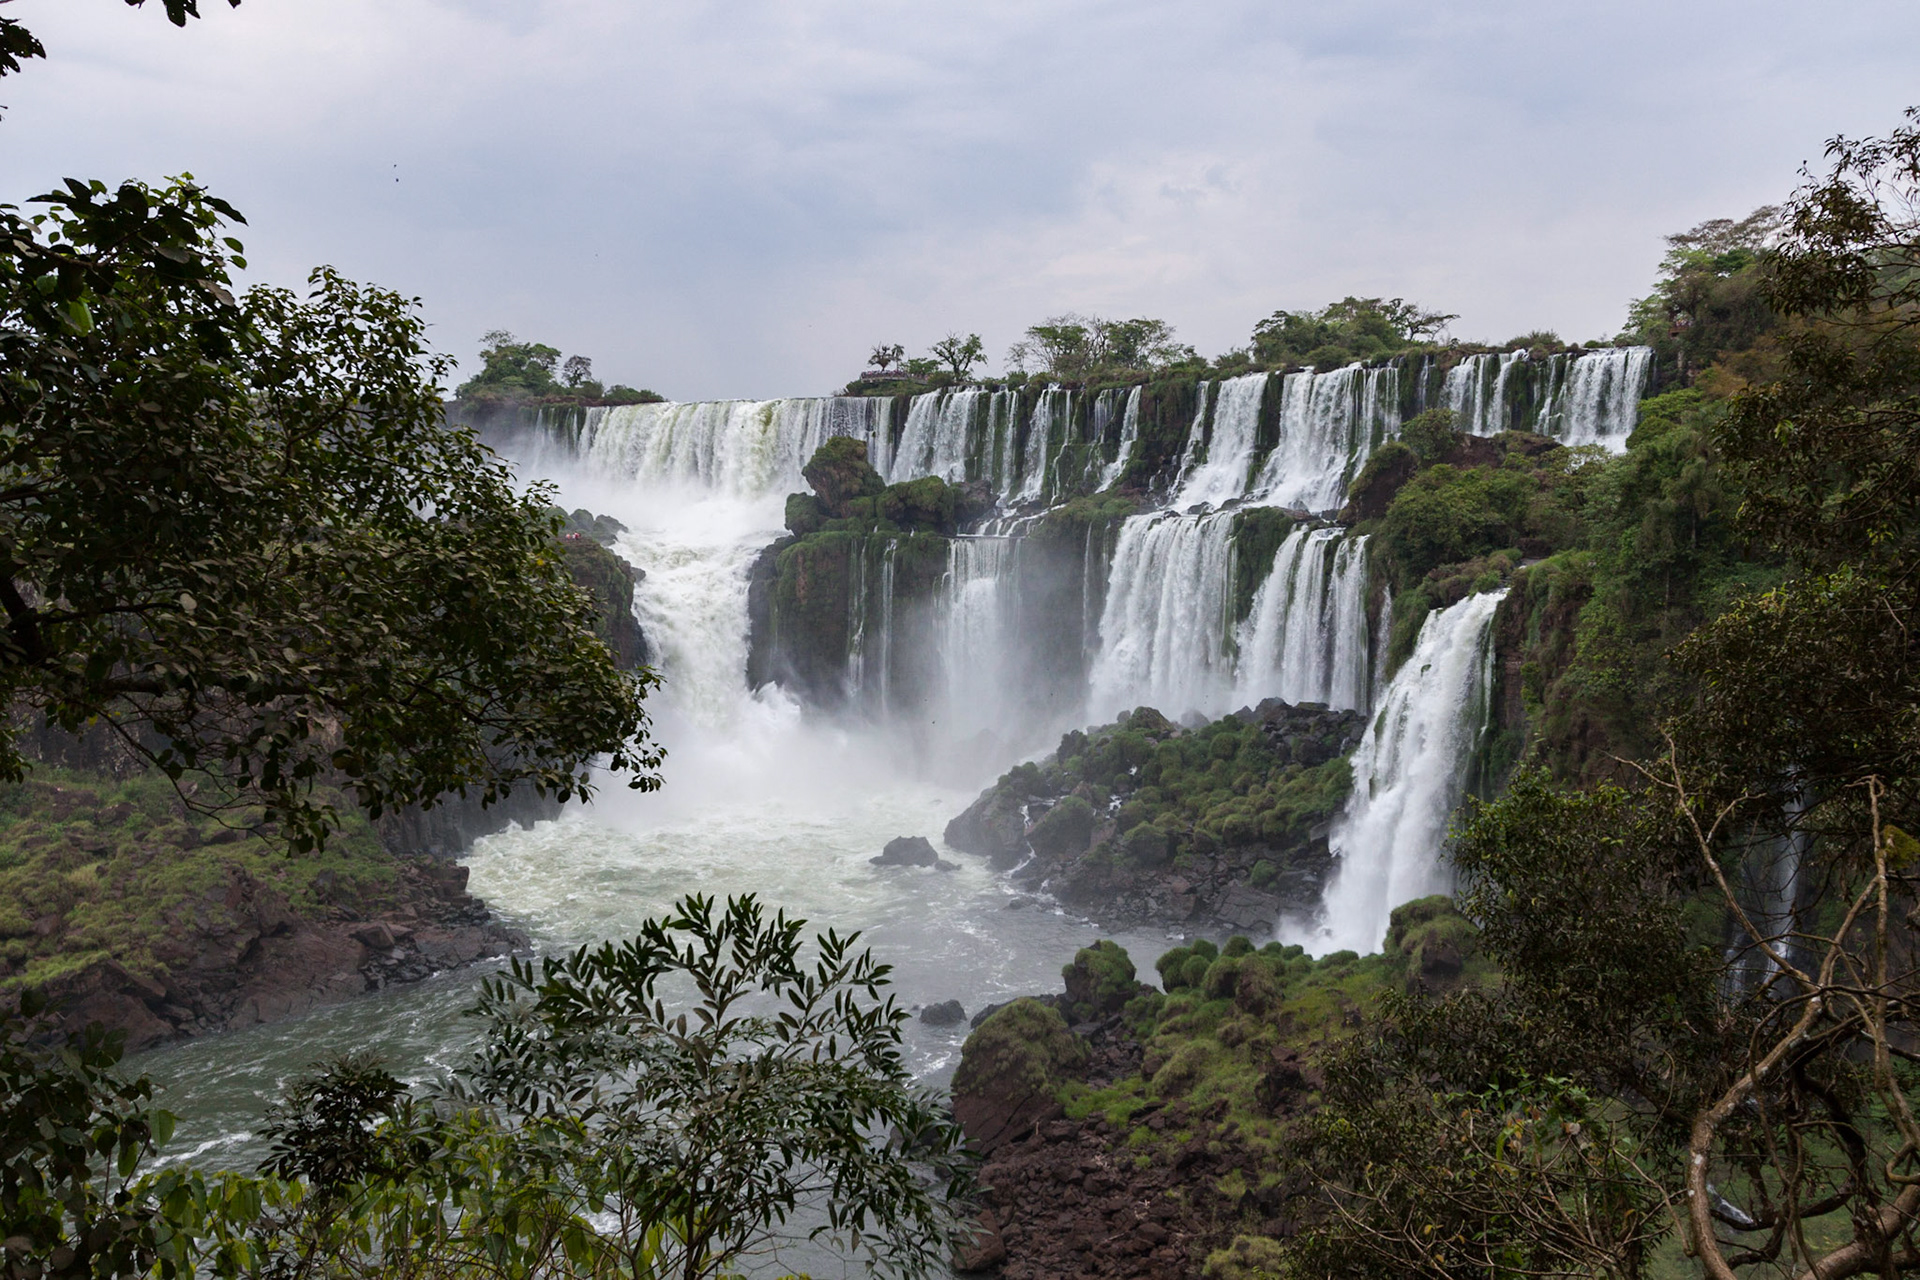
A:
<point x="740" y="199"/>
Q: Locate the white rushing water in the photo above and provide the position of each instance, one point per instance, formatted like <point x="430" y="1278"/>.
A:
<point x="743" y="448"/>
<point x="1046" y="431"/>
<point x="1577" y="398"/>
<point x="1408" y="775"/>
<point x="1215" y="469"/>
<point x="1330" y="423"/>
<point x="1305" y="637"/>
<point x="1129" y="434"/>
<point x="1599" y="400"/>
<point x="1164" y="628"/>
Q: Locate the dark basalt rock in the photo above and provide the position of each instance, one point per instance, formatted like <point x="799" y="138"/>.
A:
<point x="947" y="1013"/>
<point x="907" y="851"/>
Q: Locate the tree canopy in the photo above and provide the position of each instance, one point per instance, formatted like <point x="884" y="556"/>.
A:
<point x="514" y="370"/>
<point x="238" y="533"/>
<point x="1073" y="347"/>
<point x="1342" y="332"/>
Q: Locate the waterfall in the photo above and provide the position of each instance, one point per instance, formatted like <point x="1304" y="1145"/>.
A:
<point x="1409" y="773"/>
<point x="856" y="676"/>
<point x="1054" y="409"/>
<point x="1577" y="398"/>
<point x="1222" y="474"/>
<point x="1476" y="391"/>
<point x="1305" y="638"/>
<point x="1329" y="424"/>
<point x="940" y="427"/>
<point x="979" y="636"/>
<point x="747" y="448"/>
<point x="1129" y="433"/>
<point x="1164" y="627"/>
<point x="1599" y="400"/>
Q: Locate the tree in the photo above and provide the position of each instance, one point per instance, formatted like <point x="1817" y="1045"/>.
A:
<point x="512" y="368"/>
<point x="1711" y="297"/>
<point x="887" y="356"/>
<point x="778" y="1090"/>
<point x="1345" y="331"/>
<point x="240" y="535"/>
<point x="577" y="372"/>
<point x="1075" y="347"/>
<point x="960" y="354"/>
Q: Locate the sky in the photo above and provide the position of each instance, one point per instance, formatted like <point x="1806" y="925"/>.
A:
<point x="741" y="199"/>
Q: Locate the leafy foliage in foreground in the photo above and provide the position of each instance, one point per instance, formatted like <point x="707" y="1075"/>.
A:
<point x="239" y="534"/>
<point x="600" y="1131"/>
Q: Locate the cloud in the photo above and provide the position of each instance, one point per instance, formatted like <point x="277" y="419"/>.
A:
<point x="739" y="199"/>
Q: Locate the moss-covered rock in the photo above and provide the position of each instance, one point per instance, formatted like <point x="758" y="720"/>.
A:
<point x="840" y="473"/>
<point x="611" y="580"/>
<point x="1011" y="1071"/>
<point x="1144" y="820"/>
<point x="1100" y="981"/>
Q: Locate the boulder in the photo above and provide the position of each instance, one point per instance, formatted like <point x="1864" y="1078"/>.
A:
<point x="907" y="851"/>
<point x="1065" y="831"/>
<point x="839" y="473"/>
<point x="1011" y="1071"/>
<point x="993" y="827"/>
<point x="944" y="1014"/>
<point x="982" y="1248"/>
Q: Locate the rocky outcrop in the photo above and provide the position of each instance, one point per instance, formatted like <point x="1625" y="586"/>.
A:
<point x="1131" y="1133"/>
<point x="1145" y="821"/>
<point x="611" y="580"/>
<point x="907" y="851"/>
<point x="249" y="957"/>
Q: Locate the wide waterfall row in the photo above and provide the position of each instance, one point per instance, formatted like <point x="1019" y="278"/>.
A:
<point x="1576" y="398"/>
<point x="1238" y="588"/>
<point x="742" y="448"/>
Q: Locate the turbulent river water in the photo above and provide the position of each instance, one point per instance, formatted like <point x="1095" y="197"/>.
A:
<point x="757" y="799"/>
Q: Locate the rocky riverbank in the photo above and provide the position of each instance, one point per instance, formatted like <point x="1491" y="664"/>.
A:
<point x="1223" y="825"/>
<point x="130" y="910"/>
<point x="1129" y="1131"/>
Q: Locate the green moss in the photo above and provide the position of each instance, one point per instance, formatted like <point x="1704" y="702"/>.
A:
<point x="1024" y="1046"/>
<point x="1100" y="981"/>
<point x="94" y="868"/>
<point x="1257" y="534"/>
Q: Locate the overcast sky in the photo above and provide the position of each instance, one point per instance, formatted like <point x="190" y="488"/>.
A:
<point x="740" y="199"/>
